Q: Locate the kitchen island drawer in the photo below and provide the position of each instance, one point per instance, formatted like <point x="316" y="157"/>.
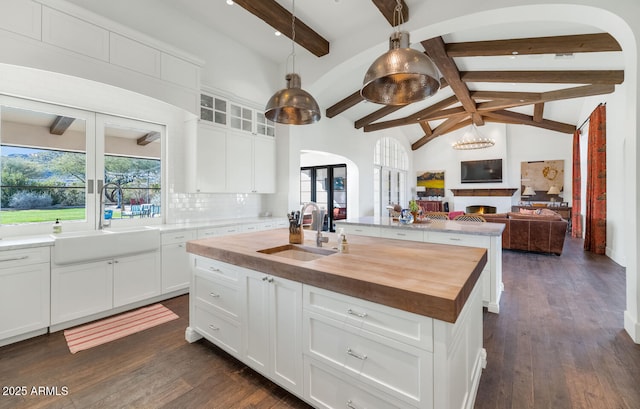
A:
<point x="216" y="269"/>
<point x="454" y="239"/>
<point x="217" y="296"/>
<point x="372" y="231"/>
<point x="222" y="331"/>
<point x="403" y="326"/>
<point x="397" y="369"/>
<point x="402" y="234"/>
<point x="328" y="388"/>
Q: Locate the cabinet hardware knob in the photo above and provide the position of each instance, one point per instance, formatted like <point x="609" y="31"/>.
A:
<point x="350" y="404"/>
<point x="270" y="280"/>
<point x="357" y="314"/>
<point x="265" y="278"/>
<point x="356" y="355"/>
<point x="213" y="328"/>
<point x="214" y="295"/>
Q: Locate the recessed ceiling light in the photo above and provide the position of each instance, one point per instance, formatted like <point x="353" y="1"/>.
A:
<point x="277" y="33"/>
<point x="230" y="2"/>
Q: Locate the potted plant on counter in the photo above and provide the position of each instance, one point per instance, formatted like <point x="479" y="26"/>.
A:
<point x="414" y="208"/>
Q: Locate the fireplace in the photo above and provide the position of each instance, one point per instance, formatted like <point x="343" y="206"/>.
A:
<point x="482" y="209"/>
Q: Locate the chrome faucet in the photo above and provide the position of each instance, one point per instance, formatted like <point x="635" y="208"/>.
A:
<point x="102" y="221"/>
<point x="319" y="221"/>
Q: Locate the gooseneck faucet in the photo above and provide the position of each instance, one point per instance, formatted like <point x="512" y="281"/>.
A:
<point x="116" y="187"/>
<point x="319" y="221"/>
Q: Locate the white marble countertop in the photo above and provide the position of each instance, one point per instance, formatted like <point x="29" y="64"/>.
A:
<point x="22" y="242"/>
<point x="451" y="226"/>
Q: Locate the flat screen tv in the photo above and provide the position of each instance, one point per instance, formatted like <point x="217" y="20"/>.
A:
<point x="481" y="171"/>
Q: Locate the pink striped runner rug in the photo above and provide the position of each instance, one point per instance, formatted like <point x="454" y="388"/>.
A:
<point x="119" y="326"/>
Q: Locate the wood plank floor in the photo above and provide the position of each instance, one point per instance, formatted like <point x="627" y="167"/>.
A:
<point x="558" y="343"/>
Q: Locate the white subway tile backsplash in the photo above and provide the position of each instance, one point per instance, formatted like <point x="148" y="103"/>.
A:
<point x="199" y="207"/>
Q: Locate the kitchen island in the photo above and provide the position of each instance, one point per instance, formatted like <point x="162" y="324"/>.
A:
<point x="388" y="324"/>
<point x="456" y="233"/>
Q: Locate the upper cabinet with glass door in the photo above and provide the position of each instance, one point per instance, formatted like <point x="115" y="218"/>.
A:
<point x="220" y="111"/>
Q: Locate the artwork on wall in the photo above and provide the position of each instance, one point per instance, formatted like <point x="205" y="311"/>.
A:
<point x="432" y="182"/>
<point x="542" y="180"/>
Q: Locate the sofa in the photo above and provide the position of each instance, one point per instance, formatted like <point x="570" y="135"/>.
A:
<point x="534" y="231"/>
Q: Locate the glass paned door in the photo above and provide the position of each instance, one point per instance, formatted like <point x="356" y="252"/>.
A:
<point x="327" y="186"/>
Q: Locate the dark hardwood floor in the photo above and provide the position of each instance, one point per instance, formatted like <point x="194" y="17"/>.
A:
<point x="557" y="343"/>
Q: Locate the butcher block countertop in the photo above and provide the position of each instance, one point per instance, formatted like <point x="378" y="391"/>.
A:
<point x="433" y="280"/>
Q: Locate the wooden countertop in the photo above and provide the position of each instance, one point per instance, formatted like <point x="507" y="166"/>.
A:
<point x="434" y="280"/>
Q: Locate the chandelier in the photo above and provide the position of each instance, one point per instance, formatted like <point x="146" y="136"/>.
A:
<point x="473" y="140"/>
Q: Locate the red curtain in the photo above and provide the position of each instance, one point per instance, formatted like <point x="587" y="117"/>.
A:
<point x="576" y="200"/>
<point x="596" y="197"/>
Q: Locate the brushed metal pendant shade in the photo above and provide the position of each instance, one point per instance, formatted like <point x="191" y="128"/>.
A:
<point x="400" y="76"/>
<point x="292" y="105"/>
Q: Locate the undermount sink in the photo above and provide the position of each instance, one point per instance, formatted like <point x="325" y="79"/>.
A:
<point x="74" y="247"/>
<point x="297" y="252"/>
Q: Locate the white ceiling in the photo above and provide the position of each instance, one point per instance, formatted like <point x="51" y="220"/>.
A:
<point x="350" y="25"/>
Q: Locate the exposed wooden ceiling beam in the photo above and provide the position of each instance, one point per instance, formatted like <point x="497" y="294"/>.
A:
<point x="426" y="128"/>
<point x="380" y="113"/>
<point x="583" y="43"/>
<point x="435" y="48"/>
<point x="413" y="118"/>
<point x="546" y="77"/>
<point x="538" y="112"/>
<point x="528" y="120"/>
<point x="60" y="125"/>
<point x="506" y="95"/>
<point x="272" y="13"/>
<point x="148" y="138"/>
<point x="388" y="8"/>
<point x="342" y="105"/>
<point x="441" y="129"/>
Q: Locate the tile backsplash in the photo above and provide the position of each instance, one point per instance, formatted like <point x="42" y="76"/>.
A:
<point x="199" y="207"/>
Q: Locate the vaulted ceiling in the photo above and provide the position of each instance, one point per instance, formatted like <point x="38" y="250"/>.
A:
<point x="468" y="105"/>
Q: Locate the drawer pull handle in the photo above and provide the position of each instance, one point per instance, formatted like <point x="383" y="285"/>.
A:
<point x="213" y="328"/>
<point x="356" y="355"/>
<point x="178" y="237"/>
<point x="454" y="239"/>
<point x="180" y="245"/>
<point x="357" y="314"/>
<point x="400" y="234"/>
<point x="14" y="259"/>
<point x="217" y="270"/>
<point x="214" y="295"/>
<point x="350" y="404"/>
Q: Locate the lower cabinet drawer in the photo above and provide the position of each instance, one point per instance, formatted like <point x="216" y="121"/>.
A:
<point x="215" y="268"/>
<point x="458" y="239"/>
<point x="402" y="234"/>
<point x="217" y="296"/>
<point x="327" y="388"/>
<point x="222" y="331"/>
<point x="397" y="369"/>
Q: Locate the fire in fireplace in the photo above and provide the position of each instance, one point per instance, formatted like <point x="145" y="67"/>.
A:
<point x="482" y="209"/>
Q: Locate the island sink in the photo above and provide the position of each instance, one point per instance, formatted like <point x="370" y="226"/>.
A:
<point x="298" y="252"/>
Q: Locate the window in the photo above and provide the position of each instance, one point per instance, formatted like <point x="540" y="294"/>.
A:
<point x="391" y="164"/>
<point x="54" y="159"/>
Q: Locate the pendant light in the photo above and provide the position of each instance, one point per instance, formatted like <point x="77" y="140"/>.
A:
<point x="402" y="75"/>
<point x="292" y="105"/>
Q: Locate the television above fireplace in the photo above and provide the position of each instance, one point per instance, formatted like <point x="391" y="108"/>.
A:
<point x="481" y="171"/>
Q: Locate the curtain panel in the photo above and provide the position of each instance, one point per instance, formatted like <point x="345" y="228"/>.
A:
<point x="595" y="239"/>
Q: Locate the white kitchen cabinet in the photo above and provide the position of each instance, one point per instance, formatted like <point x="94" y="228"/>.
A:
<point x="264" y="164"/>
<point x="211" y="162"/>
<point x="136" y="278"/>
<point x="24" y="293"/>
<point x="239" y="162"/>
<point x="272" y="328"/>
<point x="81" y="290"/>
<point x="216" y="306"/>
<point x="176" y="267"/>
<point x="234" y="161"/>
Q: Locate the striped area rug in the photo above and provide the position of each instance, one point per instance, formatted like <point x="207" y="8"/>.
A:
<point x="119" y="326"/>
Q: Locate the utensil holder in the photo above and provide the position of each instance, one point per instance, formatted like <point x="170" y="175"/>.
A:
<point x="296" y="235"/>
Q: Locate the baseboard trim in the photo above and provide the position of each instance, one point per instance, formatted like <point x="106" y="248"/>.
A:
<point x="632" y="327"/>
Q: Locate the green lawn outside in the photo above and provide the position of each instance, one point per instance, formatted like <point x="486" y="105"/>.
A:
<point x="44" y="215"/>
